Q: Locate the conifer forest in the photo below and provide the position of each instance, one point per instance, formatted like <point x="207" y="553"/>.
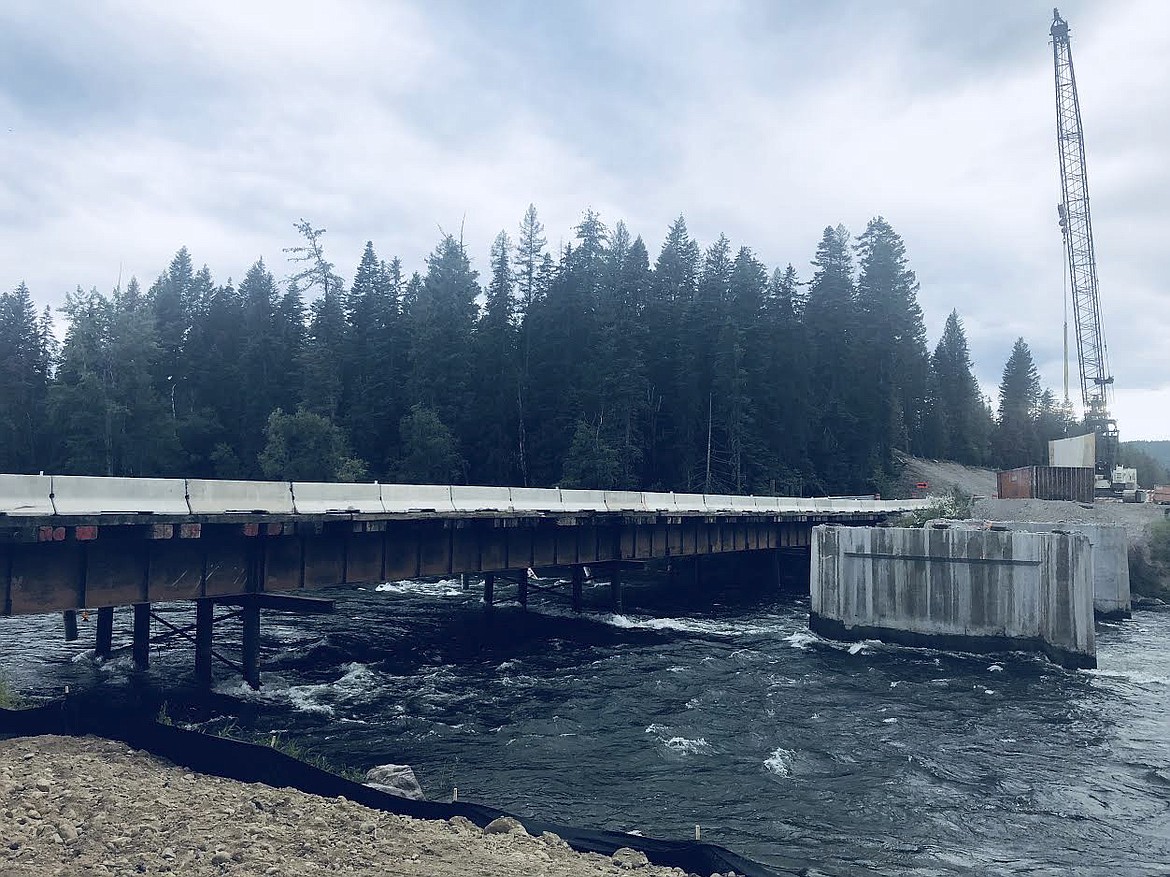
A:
<point x="697" y="368"/>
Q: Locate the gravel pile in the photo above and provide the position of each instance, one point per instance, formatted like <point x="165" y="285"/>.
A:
<point x="1136" y="518"/>
<point x="74" y="806"/>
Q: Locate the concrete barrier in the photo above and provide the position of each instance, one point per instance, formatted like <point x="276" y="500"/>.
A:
<point x="583" y="500"/>
<point x="627" y="501"/>
<point x="720" y="503"/>
<point x="26" y="495"/>
<point x="481" y="499"/>
<point x="93" y="495"/>
<point x="239" y="497"/>
<point x="540" y="500"/>
<point x="405" y="498"/>
<point x="744" y="504"/>
<point x="690" y="503"/>
<point x="970" y="590"/>
<point x="803" y="505"/>
<point x="663" y="503"/>
<point x="328" y="498"/>
<point x="1110" y="556"/>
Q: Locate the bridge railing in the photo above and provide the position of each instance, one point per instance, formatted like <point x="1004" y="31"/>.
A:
<point x="80" y="496"/>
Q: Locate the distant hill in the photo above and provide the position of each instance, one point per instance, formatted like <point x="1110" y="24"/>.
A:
<point x="1159" y="450"/>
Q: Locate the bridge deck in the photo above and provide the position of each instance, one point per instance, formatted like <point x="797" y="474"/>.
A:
<point x="71" y="542"/>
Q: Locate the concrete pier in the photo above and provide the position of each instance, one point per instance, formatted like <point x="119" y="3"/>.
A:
<point x="962" y="589"/>
<point x="1110" y="556"/>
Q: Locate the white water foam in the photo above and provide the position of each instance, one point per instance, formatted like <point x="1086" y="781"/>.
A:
<point x="780" y="762"/>
<point x="441" y="588"/>
<point x="677" y="743"/>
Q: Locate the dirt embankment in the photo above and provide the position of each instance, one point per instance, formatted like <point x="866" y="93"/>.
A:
<point x="85" y="806"/>
<point x="944" y="477"/>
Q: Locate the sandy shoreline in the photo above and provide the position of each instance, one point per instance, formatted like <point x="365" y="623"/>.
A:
<point x="74" y="806"/>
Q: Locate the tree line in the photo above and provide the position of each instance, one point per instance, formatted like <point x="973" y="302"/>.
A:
<point x="593" y="366"/>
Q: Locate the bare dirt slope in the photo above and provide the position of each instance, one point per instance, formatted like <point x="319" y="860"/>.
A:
<point x="74" y="806"/>
<point x="944" y="477"/>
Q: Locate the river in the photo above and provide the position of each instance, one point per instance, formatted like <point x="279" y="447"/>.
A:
<point x="849" y="758"/>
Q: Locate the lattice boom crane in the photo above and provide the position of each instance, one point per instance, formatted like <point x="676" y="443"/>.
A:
<point x="1077" y="226"/>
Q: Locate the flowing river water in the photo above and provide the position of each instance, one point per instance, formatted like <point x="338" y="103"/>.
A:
<point x="848" y="759"/>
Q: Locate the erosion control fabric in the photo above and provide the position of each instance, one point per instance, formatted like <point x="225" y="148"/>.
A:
<point x="254" y="763"/>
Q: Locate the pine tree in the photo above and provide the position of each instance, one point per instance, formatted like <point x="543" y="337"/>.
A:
<point x="958" y="402"/>
<point x="843" y="454"/>
<point x="894" y="338"/>
<point x="26" y="355"/>
<point x="497" y="376"/>
<point x="1016" y="440"/>
<point x="441" y="320"/>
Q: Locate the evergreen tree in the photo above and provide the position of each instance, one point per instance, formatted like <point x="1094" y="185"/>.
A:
<point x="843" y="454"/>
<point x="957" y="407"/>
<point x="497" y="376"/>
<point x="893" y="335"/>
<point x="26" y="355"/>
<point x="1016" y="440"/>
<point x="441" y="320"/>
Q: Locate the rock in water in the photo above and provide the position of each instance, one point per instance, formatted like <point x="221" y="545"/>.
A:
<point x="395" y="779"/>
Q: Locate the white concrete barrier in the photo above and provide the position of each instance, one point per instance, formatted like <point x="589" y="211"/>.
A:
<point x="744" y="504"/>
<point x="798" y="504"/>
<point x="26" y="495"/>
<point x="239" y="497"/>
<point x="690" y="503"/>
<point x="481" y="499"/>
<point x="536" y="499"/>
<point x="662" y="503"/>
<point x="93" y="495"/>
<point x="769" y="504"/>
<point x="629" y="501"/>
<point x="720" y="503"/>
<point x="404" y="498"/>
<point x="583" y="500"/>
<point x="327" y="498"/>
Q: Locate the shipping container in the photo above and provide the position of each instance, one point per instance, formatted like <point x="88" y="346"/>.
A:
<point x="1072" y="483"/>
<point x="1162" y="495"/>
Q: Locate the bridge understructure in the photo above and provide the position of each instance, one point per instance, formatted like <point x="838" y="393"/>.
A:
<point x="70" y="543"/>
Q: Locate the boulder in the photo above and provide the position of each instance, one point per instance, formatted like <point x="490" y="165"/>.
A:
<point x="630" y="859"/>
<point x="505" y="825"/>
<point x="395" y="779"/>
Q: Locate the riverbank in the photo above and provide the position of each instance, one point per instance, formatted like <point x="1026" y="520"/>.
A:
<point x="83" y="805"/>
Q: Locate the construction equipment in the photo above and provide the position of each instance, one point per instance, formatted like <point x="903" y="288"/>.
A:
<point x="1077" y="228"/>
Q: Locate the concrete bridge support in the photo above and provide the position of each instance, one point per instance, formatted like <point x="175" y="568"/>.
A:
<point x="968" y="590"/>
<point x="104" y="647"/>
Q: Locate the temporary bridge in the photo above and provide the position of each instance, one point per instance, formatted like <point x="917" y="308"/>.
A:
<point x="70" y="542"/>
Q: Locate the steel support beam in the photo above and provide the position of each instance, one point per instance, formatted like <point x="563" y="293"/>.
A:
<point x="105" y="632"/>
<point x="578" y="581"/>
<point x="141" y="635"/>
<point x="204" y="632"/>
<point x="69" y="616"/>
<point x="251" y="643"/>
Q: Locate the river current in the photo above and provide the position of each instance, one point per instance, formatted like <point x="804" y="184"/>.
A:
<point x="793" y="750"/>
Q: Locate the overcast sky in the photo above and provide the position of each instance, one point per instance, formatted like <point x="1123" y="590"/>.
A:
<point x="131" y="128"/>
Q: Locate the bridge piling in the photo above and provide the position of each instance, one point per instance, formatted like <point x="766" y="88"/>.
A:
<point x="250" y="660"/>
<point x="615" y="590"/>
<point x="104" y="646"/>
<point x="489" y="589"/>
<point x="141" y="643"/>
<point x="69" y="616"/>
<point x="522" y="589"/>
<point x="204" y="633"/>
<point x="578" y="581"/>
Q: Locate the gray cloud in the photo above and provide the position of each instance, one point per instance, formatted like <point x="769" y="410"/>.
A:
<point x="133" y="128"/>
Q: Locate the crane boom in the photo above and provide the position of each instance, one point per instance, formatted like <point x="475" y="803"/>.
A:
<point x="1077" y="226"/>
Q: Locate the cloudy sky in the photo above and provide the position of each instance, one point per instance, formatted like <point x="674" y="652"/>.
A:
<point x="130" y="128"/>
